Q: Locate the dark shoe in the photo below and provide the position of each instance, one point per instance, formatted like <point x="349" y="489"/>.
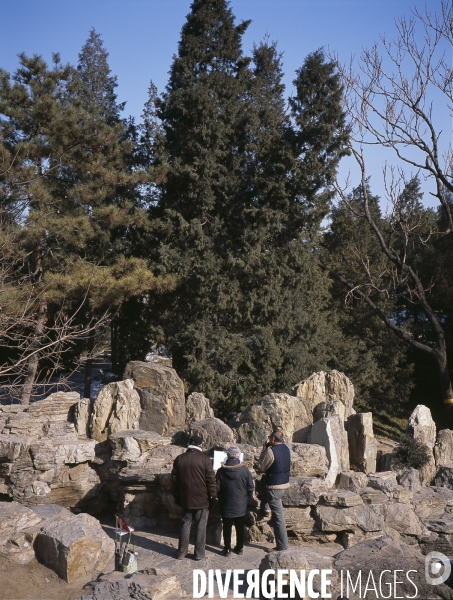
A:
<point x="199" y="557"/>
<point x="226" y="552"/>
<point x="239" y="551"/>
<point x="275" y="549"/>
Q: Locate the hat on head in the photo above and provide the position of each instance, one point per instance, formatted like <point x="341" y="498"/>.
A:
<point x="195" y="440"/>
<point x="233" y="452"/>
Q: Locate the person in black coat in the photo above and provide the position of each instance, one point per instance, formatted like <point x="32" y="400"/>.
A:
<point x="234" y="486"/>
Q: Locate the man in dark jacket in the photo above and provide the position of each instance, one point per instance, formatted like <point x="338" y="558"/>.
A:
<point x="234" y="486"/>
<point x="275" y="462"/>
<point x="194" y="487"/>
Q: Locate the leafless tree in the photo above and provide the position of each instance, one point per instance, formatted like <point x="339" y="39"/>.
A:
<point x="393" y="99"/>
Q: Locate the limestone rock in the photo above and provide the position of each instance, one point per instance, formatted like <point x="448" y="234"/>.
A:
<point x="410" y="480"/>
<point x="362" y="443"/>
<point x="116" y="408"/>
<point x="304" y="491"/>
<point x="76" y="548"/>
<point x="24" y="424"/>
<point x="161" y="394"/>
<point x="428" y="502"/>
<point x="341" y="499"/>
<point x="14" y="519"/>
<point x="134" y="444"/>
<point x="56" y="407"/>
<point x="370" y="495"/>
<point x="385" y="481"/>
<point x="213" y="432"/>
<point x="12" y="447"/>
<point x="82" y="415"/>
<point x="308" y="460"/>
<point x="422" y="427"/>
<point x="322" y="433"/>
<point x="366" y="518"/>
<point x="403" y="519"/>
<point x="327" y="387"/>
<point x="443" y="449"/>
<point x="60" y="431"/>
<point x="352" y="481"/>
<point x="197" y="409"/>
<point x="292" y="415"/>
<point x="444" y="477"/>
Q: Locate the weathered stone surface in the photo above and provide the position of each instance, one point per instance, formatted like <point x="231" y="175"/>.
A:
<point x="301" y="525"/>
<point x="76" y="548"/>
<point x="444" y="477"/>
<point x="385" y="481"/>
<point x="389" y="554"/>
<point x="322" y="434"/>
<point x="297" y="560"/>
<point x="429" y="502"/>
<point x="352" y="481"/>
<point x="161" y="396"/>
<point x="275" y="411"/>
<point x="60" y="431"/>
<point x="24" y="424"/>
<point x="443" y="449"/>
<point x="304" y="491"/>
<point x="373" y="496"/>
<point x="133" y="444"/>
<point x="422" y="428"/>
<point x="341" y="441"/>
<point x="15" y="518"/>
<point x="56" y="407"/>
<point x="308" y="460"/>
<point x="73" y="452"/>
<point x="82" y="415"/>
<point x="213" y="432"/>
<point x="341" y="499"/>
<point x="410" y="480"/>
<point x="12" y="447"/>
<point x="362" y="517"/>
<point x="403" y="519"/>
<point x="116" y="408"/>
<point x="146" y="586"/>
<point x="197" y="409"/>
<point x="327" y="387"/>
<point x="362" y="443"/>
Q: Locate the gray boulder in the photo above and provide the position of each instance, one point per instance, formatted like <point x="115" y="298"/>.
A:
<point x="76" y="548"/>
<point x="213" y="432"/>
<point x="327" y="387"/>
<point x="362" y="443"/>
<point x="308" y="460"/>
<point x="116" y="408"/>
<point x="423" y="429"/>
<point x="443" y="449"/>
<point x="324" y="433"/>
<point x="56" y="407"/>
<point x="352" y="481"/>
<point x="197" y="409"/>
<point x="161" y="394"/>
<point x="134" y="444"/>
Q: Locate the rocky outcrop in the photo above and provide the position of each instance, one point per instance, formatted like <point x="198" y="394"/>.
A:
<point x="76" y="547"/>
<point x="323" y="434"/>
<point x="161" y="394"/>
<point x="213" y="432"/>
<point x="275" y="411"/>
<point x="308" y="460"/>
<point x="327" y="388"/>
<point x="82" y="414"/>
<point x="362" y="443"/>
<point x="56" y="407"/>
<point x="423" y="429"/>
<point x="197" y="409"/>
<point x="116" y="408"/>
<point x="135" y="444"/>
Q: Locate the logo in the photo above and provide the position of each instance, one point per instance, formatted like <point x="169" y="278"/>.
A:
<point x="437" y="568"/>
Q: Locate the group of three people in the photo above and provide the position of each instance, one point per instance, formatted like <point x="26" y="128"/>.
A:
<point x="196" y="486"/>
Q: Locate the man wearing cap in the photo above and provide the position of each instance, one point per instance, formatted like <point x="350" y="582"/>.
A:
<point x="194" y="488"/>
<point x="275" y="462"/>
<point x="234" y="486"/>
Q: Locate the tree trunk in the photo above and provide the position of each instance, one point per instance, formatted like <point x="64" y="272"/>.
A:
<point x="32" y="363"/>
<point x="89" y="365"/>
<point x="445" y="384"/>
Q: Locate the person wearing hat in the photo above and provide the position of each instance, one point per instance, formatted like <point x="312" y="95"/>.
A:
<point x="234" y="486"/>
<point x="275" y="463"/>
<point x="194" y="488"/>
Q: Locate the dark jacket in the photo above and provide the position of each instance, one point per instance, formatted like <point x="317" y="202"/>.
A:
<point x="234" y="484"/>
<point x="193" y="480"/>
<point x="278" y="472"/>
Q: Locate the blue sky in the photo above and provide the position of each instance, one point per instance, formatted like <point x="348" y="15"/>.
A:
<point x="142" y="35"/>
